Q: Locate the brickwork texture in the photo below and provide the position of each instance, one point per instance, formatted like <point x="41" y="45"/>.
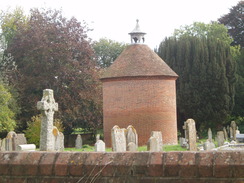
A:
<point x="127" y="167"/>
<point x="149" y="104"/>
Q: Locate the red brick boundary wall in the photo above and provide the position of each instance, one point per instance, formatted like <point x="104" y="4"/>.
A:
<point x="128" y="167"/>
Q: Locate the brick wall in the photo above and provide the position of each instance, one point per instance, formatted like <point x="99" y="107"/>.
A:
<point x="128" y="167"/>
<point x="147" y="103"/>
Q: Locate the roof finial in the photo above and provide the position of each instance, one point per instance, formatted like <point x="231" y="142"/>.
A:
<point x="137" y="35"/>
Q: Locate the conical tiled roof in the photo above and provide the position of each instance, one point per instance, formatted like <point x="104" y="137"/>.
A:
<point x="138" y="60"/>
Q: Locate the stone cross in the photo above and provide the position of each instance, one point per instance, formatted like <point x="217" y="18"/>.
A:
<point x="191" y="134"/>
<point x="47" y="106"/>
<point x="118" y="139"/>
<point x="210" y="135"/>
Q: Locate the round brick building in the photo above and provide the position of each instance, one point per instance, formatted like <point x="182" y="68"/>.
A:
<point x="139" y="90"/>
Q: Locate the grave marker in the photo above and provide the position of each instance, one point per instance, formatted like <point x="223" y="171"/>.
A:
<point x="118" y="139"/>
<point x="191" y="134"/>
<point x="100" y="146"/>
<point x="78" y="142"/>
<point x="131" y="136"/>
<point x="47" y="106"/>
<point x="153" y="145"/>
<point x="220" y="138"/>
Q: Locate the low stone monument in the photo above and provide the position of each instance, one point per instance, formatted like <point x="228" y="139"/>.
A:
<point x="78" y="142"/>
<point x="191" y="134"/>
<point x="47" y="106"/>
<point x="183" y="142"/>
<point x="220" y="138"/>
<point x="153" y="144"/>
<point x="100" y="146"/>
<point x="26" y="147"/>
<point x="118" y="139"/>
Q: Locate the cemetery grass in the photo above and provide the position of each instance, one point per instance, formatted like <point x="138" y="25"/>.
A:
<point x="88" y="148"/>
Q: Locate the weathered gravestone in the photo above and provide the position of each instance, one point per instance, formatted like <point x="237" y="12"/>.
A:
<point x="132" y="147"/>
<point x="47" y="106"/>
<point x="225" y="134"/>
<point x="3" y="145"/>
<point x="131" y="136"/>
<point x="191" y="134"/>
<point x="220" y="138"/>
<point x="231" y="133"/>
<point x="153" y="144"/>
<point x="158" y="136"/>
<point x="100" y="146"/>
<point x="237" y="130"/>
<point x="208" y="145"/>
<point x="78" y="142"/>
<point x="58" y="139"/>
<point x="183" y="142"/>
<point x="10" y="141"/>
<point x="233" y="126"/>
<point x="118" y="139"/>
<point x="210" y="135"/>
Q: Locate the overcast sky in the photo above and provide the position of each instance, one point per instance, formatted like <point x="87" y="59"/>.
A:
<point x="114" y="19"/>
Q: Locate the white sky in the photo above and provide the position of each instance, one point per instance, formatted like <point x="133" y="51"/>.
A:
<point x="114" y="19"/>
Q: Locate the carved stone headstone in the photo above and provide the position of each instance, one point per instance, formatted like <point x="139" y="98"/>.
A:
<point x="118" y="139"/>
<point x="100" y="146"/>
<point x="233" y="126"/>
<point x="132" y="147"/>
<point x="58" y="139"/>
<point x="47" y="106"/>
<point x="131" y="136"/>
<point x="220" y="138"/>
<point x="183" y="142"/>
<point x="225" y="134"/>
<point x="158" y="136"/>
<point x="78" y="142"/>
<point x="153" y="144"/>
<point x="210" y="135"/>
<point x="192" y="135"/>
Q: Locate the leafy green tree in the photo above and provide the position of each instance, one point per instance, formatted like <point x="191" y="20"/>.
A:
<point x="107" y="51"/>
<point x="206" y="69"/>
<point x="234" y="21"/>
<point x="55" y="53"/>
<point x="7" y="116"/>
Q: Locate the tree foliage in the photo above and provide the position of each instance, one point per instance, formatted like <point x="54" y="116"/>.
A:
<point x="205" y="87"/>
<point x="234" y="21"/>
<point x="55" y="53"/>
<point x="7" y="116"/>
<point x="107" y="51"/>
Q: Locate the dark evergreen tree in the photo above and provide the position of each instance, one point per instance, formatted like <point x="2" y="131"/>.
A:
<point x="205" y="87"/>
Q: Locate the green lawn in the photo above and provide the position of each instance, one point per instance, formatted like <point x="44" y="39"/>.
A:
<point x="87" y="148"/>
